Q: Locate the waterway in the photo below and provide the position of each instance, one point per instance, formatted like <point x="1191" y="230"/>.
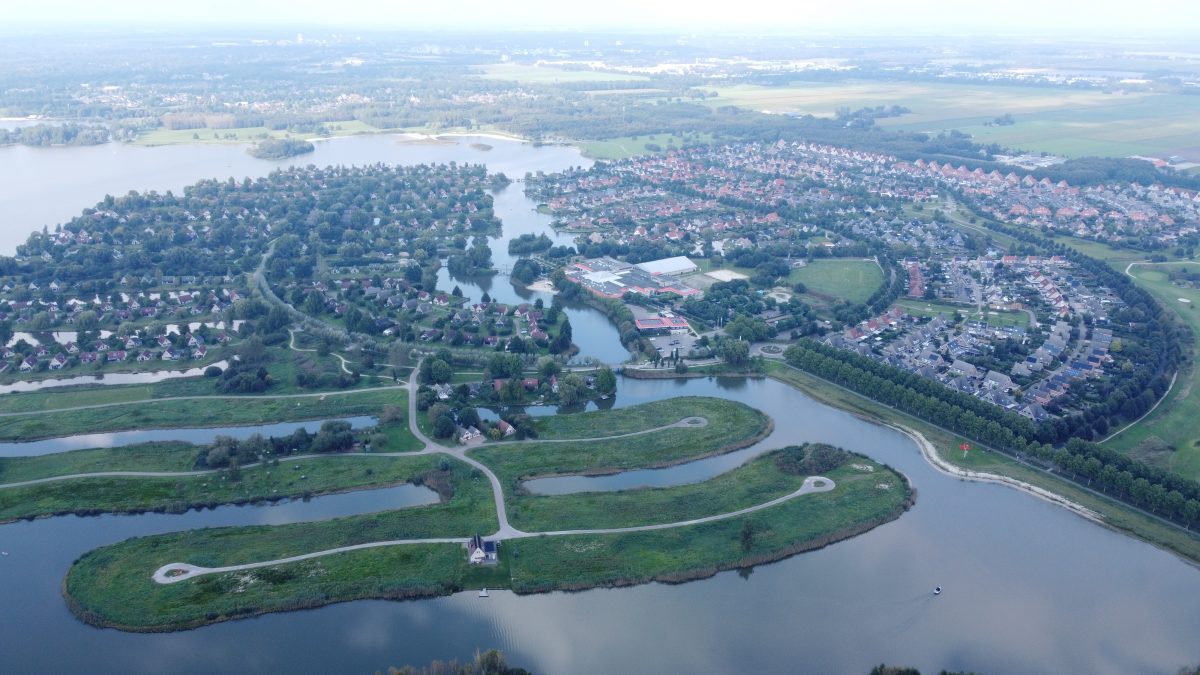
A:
<point x="199" y="435"/>
<point x="1029" y="587"/>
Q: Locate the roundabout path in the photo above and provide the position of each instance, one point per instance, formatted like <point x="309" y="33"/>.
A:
<point x="175" y="572"/>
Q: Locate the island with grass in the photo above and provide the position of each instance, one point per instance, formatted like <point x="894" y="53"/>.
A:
<point x="779" y="503"/>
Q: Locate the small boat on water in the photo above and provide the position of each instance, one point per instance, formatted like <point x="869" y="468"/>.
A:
<point x="937" y="590"/>
<point x="483" y="593"/>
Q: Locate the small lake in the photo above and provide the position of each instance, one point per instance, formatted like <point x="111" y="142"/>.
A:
<point x="199" y="436"/>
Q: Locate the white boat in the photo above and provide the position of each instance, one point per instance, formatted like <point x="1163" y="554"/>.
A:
<point x="483" y="593"/>
<point x="937" y="590"/>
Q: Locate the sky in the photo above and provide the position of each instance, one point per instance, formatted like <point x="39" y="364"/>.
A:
<point x="1068" y="17"/>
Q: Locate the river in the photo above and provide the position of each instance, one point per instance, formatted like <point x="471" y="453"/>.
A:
<point x="1029" y="587"/>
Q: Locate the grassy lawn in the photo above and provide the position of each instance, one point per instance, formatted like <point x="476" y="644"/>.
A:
<point x="848" y="279"/>
<point x="994" y="318"/>
<point x="1174" y="421"/>
<point x="534" y="74"/>
<point x="140" y="457"/>
<point x="804" y="523"/>
<point x="1114" y="514"/>
<point x="513" y="462"/>
<point x="198" y="413"/>
<point x="631" y="146"/>
<point x="756" y="482"/>
<point x="318" y="475"/>
<point x="597" y="424"/>
<point x="112" y="585"/>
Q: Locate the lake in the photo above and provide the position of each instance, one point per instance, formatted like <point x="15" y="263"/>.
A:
<point x="1029" y="587"/>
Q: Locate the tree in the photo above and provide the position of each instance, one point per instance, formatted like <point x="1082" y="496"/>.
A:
<point x="606" y="381"/>
<point x="735" y="352"/>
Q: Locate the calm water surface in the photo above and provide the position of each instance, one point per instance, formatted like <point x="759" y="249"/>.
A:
<point x="1030" y="588"/>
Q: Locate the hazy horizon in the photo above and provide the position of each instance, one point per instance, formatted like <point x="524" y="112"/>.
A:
<point x="1071" y="18"/>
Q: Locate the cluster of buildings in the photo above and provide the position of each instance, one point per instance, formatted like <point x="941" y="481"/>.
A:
<point x="611" y="278"/>
<point x="1113" y="209"/>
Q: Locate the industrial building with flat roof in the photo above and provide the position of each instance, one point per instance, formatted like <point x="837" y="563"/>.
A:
<point x="613" y="278"/>
<point x="671" y="267"/>
<point x="661" y="325"/>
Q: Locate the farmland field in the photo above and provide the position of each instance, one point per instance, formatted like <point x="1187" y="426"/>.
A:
<point x="1059" y="121"/>
<point x="854" y="280"/>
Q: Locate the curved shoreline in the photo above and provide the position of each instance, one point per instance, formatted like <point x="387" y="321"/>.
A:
<point x="930" y="453"/>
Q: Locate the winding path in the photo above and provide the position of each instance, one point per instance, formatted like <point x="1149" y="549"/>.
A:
<point x="175" y="572"/>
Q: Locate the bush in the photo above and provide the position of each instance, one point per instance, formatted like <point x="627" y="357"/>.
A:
<point x="810" y="459"/>
<point x="212" y="371"/>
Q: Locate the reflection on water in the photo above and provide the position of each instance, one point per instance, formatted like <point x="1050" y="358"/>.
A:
<point x="198" y="436"/>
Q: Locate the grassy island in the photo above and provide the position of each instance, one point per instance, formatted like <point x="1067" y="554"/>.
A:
<point x="280" y="148"/>
<point x="763" y="511"/>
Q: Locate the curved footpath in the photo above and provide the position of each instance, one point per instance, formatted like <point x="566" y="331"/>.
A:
<point x="686" y="423"/>
<point x="171" y="573"/>
<point x="175" y="572"/>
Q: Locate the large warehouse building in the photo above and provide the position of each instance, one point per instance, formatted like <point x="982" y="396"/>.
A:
<point x="669" y="267"/>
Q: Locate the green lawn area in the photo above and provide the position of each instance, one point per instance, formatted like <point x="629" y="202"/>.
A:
<point x="1067" y="122"/>
<point x="739" y="427"/>
<point x="1174" y="421"/>
<point x="535" y="74"/>
<point x="598" y="424"/>
<point x="199" y="413"/>
<point x="170" y="456"/>
<point x="318" y="475"/>
<point x="112" y="585"/>
<point x="631" y="146"/>
<point x="848" y="279"/>
<point x="810" y="521"/>
<point x="756" y="482"/>
<point x="931" y="308"/>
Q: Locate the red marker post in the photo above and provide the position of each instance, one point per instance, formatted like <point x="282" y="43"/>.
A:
<point x="964" y="447"/>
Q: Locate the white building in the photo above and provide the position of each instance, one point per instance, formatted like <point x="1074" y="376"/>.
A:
<point x="671" y="267"/>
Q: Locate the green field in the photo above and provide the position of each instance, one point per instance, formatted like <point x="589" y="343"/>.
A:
<point x="1059" y="121"/>
<point x="1174" y="421"/>
<point x="156" y="414"/>
<point x="304" y="477"/>
<point x="111" y="586"/>
<point x="535" y="74"/>
<point x="736" y="426"/>
<point x="631" y="146"/>
<point x="846" y="279"/>
<point x="994" y="318"/>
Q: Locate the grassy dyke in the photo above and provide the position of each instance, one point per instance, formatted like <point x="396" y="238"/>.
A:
<point x="397" y="572"/>
<point x="111" y="586"/>
<point x="304" y="477"/>
<point x="1113" y="513"/>
<point x="601" y="423"/>
<point x="514" y="462"/>
<point x="699" y="551"/>
<point x="166" y="456"/>
<point x="755" y="482"/>
<point x="212" y="412"/>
